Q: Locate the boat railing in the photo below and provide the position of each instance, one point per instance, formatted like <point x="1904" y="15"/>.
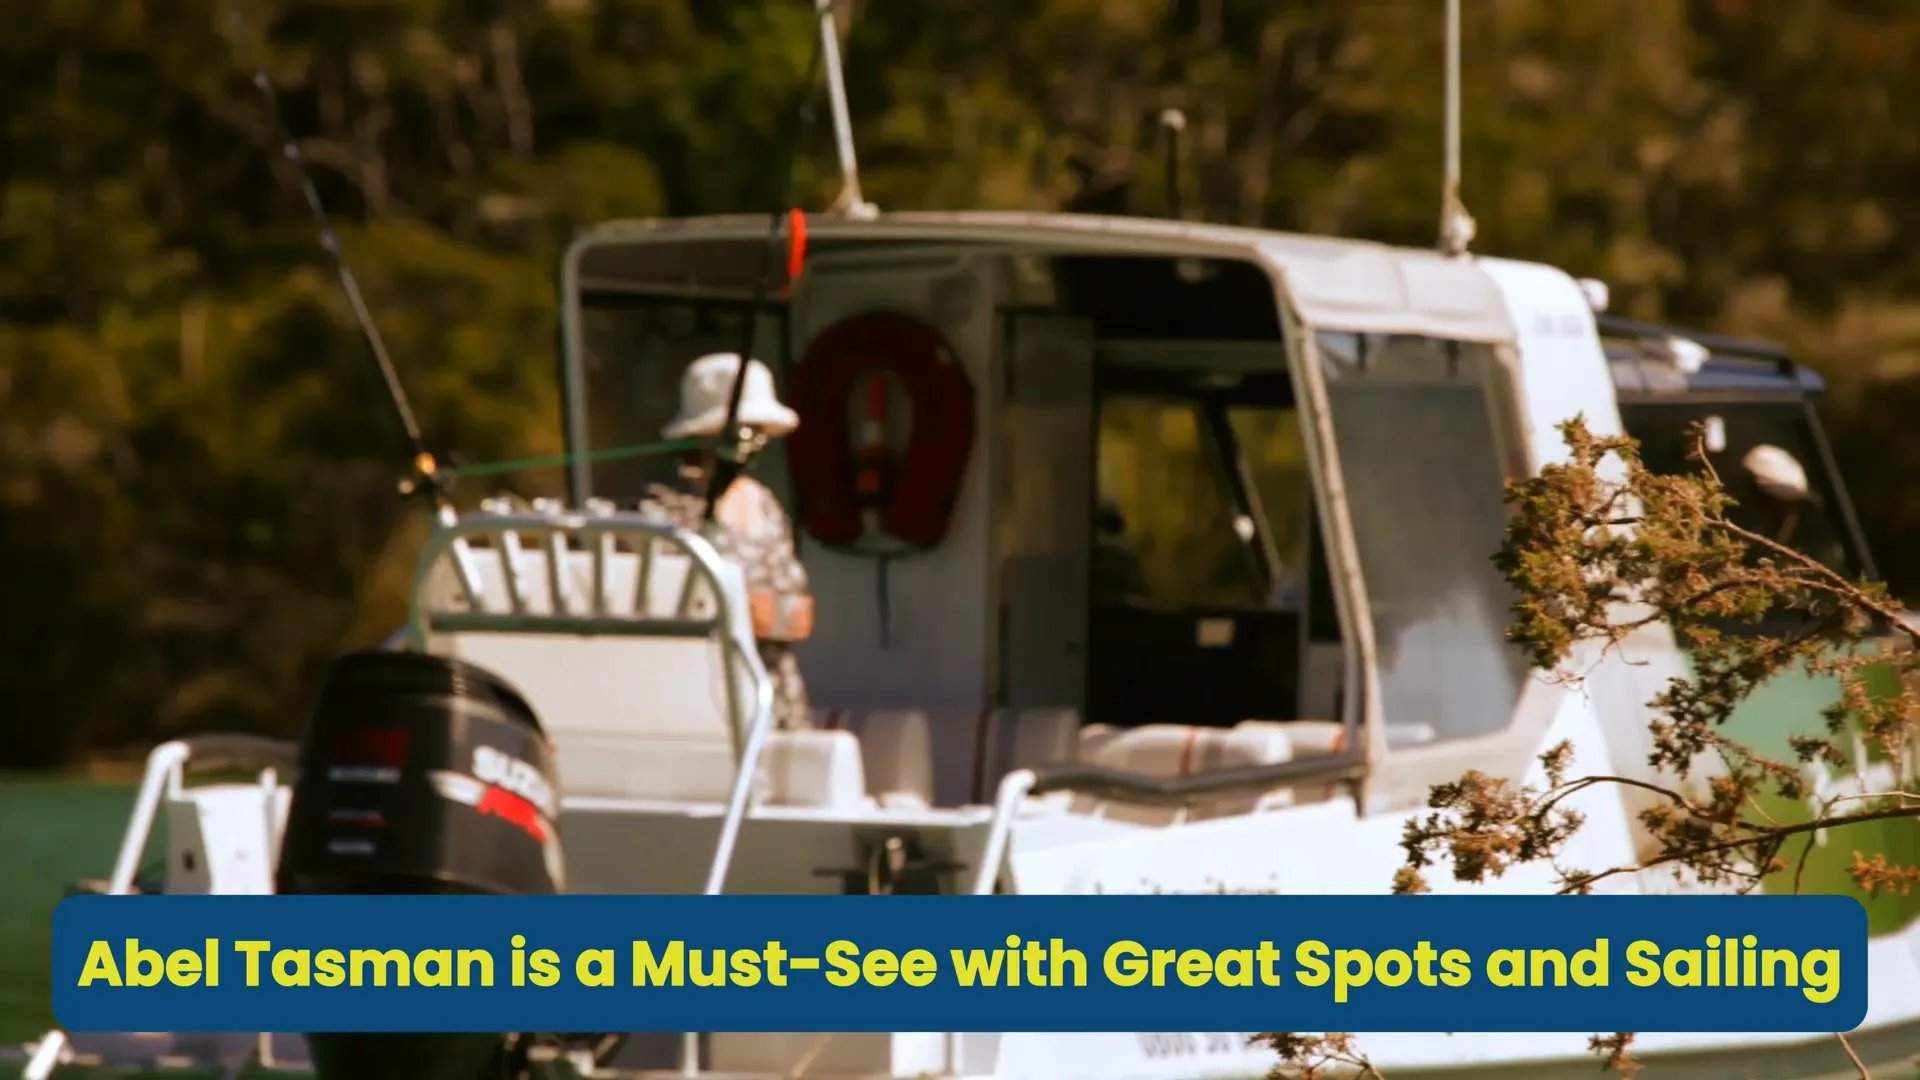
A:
<point x="599" y="573"/>
<point x="1122" y="785"/>
<point x="165" y="775"/>
<point x="163" y="780"/>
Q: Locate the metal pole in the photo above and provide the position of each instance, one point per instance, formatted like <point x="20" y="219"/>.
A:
<point x="1456" y="226"/>
<point x="1452" y="177"/>
<point x="162" y="765"/>
<point x="46" y="1057"/>
<point x="1175" y="122"/>
<point x="851" y="201"/>
<point x="1006" y="807"/>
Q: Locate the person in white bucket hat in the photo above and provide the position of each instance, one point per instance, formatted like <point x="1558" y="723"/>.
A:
<point x="707" y="387"/>
<point x="754" y="530"/>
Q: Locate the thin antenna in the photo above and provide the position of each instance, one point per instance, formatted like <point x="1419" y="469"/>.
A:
<point x="425" y="468"/>
<point x="1175" y="122"/>
<point x="1456" y="225"/>
<point x="850" y="202"/>
<point x="733" y="447"/>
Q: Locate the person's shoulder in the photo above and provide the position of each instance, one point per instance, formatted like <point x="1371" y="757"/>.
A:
<point x="762" y="495"/>
<point x="751" y="506"/>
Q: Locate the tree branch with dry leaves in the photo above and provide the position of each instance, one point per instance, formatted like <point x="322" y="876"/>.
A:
<point x="1598" y="547"/>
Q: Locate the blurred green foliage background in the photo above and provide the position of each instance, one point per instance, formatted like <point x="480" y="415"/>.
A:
<point x="196" y="463"/>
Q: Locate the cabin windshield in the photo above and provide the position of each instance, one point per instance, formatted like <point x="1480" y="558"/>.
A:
<point x="1813" y="526"/>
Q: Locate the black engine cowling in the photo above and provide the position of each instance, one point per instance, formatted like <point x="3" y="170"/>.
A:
<point x="420" y="774"/>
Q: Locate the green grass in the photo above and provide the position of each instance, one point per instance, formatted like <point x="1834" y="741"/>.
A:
<point x="58" y="829"/>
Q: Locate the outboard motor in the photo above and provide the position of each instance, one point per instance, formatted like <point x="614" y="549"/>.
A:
<point x="421" y="774"/>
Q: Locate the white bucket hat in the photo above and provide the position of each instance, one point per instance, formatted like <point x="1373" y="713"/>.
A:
<point x="706" y="388"/>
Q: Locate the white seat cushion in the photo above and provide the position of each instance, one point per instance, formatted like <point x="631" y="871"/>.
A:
<point x="635" y="717"/>
<point x="813" y="768"/>
<point x="1025" y="739"/>
<point x="1181" y="750"/>
<point x="897" y="745"/>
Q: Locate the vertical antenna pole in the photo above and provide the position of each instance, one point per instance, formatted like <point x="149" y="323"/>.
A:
<point x="1456" y="225"/>
<point x="1174" y="121"/>
<point x="1453" y="105"/>
<point x="850" y="202"/>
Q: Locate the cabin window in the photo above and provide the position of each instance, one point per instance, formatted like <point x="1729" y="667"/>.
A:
<point x="1167" y="517"/>
<point x="1810" y="525"/>
<point x="1204" y="500"/>
<point x="1281" y="490"/>
<point x="1424" y="456"/>
<point x="634" y="350"/>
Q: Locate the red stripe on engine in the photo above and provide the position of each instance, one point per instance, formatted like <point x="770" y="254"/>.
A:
<point x="513" y="809"/>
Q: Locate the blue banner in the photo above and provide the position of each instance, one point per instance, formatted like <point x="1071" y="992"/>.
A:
<point x="959" y="963"/>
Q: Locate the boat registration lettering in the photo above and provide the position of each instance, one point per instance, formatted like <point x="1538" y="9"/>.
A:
<point x="1173" y="1044"/>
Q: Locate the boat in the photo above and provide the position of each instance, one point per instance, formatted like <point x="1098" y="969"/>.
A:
<point x="1293" y="449"/>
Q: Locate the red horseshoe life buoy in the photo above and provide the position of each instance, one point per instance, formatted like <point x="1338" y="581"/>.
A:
<point x="832" y="490"/>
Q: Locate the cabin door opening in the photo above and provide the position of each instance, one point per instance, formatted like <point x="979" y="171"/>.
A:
<point x="1209" y="599"/>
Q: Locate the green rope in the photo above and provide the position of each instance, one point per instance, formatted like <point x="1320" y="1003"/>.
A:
<point x="560" y="460"/>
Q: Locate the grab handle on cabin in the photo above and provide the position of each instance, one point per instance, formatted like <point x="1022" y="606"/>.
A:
<point x="1123" y="786"/>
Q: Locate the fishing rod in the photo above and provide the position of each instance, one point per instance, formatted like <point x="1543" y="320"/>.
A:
<point x="425" y="478"/>
<point x="725" y="463"/>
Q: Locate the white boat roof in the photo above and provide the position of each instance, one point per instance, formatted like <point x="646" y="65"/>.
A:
<point x="1335" y="284"/>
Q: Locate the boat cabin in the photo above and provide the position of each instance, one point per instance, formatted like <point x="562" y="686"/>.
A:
<point x="1225" y="500"/>
<point x="1228" y="500"/>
